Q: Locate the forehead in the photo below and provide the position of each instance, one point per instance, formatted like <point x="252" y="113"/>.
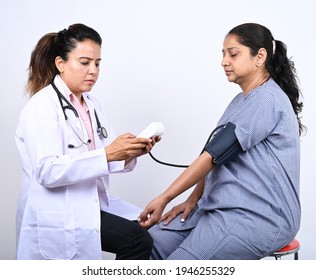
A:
<point x="231" y="42"/>
<point x="86" y="48"/>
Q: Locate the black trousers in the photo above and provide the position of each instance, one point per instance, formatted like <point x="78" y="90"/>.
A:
<point x="125" y="238"/>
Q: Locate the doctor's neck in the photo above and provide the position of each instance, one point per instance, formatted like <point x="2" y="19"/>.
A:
<point x="79" y="97"/>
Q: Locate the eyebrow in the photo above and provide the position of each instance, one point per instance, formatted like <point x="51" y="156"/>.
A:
<point x="89" y="58"/>
<point x="231" y="48"/>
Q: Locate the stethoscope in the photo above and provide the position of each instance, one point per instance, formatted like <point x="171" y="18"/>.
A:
<point x="101" y="131"/>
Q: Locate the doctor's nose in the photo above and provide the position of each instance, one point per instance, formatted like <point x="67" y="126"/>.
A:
<point x="93" y="69"/>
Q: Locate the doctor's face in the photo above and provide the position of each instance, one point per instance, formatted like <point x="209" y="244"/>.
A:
<point x="81" y="70"/>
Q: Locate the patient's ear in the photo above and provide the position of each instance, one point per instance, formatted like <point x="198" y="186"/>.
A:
<point x="261" y="57"/>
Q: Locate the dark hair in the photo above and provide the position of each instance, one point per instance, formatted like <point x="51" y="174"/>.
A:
<point x="279" y="66"/>
<point x="42" y="68"/>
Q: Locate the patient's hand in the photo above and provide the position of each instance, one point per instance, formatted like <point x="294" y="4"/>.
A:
<point x="185" y="208"/>
<point x="152" y="213"/>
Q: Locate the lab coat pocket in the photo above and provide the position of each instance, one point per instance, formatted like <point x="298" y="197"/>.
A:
<point x="56" y="234"/>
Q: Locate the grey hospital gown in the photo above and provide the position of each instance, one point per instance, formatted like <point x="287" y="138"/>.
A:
<point x="250" y="206"/>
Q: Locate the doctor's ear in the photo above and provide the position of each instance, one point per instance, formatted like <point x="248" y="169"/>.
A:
<point x="59" y="62"/>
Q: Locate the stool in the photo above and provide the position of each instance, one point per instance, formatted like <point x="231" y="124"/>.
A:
<point x="291" y="248"/>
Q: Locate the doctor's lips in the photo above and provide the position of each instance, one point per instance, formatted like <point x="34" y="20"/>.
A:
<point x="90" y="81"/>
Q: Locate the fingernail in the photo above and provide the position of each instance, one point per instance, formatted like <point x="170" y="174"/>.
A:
<point x="182" y="220"/>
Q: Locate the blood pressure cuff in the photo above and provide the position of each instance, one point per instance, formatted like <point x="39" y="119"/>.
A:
<point x="224" y="146"/>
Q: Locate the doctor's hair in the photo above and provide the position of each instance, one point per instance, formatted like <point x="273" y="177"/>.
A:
<point x="42" y="68"/>
<point x="279" y="66"/>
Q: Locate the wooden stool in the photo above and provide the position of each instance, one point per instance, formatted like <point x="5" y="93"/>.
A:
<point x="291" y="248"/>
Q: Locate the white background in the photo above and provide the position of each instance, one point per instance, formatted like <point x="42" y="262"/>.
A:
<point x="160" y="62"/>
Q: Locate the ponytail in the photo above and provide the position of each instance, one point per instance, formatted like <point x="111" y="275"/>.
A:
<point x="282" y="71"/>
<point x="42" y="69"/>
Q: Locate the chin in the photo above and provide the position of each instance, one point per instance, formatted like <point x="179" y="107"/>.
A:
<point x="87" y="89"/>
<point x="231" y="79"/>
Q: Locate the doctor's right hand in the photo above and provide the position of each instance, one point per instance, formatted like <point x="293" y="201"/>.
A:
<point x="126" y="146"/>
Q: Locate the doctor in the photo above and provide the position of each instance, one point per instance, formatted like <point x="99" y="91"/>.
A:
<point x="68" y="149"/>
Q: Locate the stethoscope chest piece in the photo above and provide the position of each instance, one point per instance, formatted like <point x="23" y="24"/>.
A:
<point x="103" y="132"/>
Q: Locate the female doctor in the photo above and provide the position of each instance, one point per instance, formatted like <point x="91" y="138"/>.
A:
<point x="68" y="149"/>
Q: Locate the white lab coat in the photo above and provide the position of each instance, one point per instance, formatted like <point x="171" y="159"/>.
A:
<point x="62" y="189"/>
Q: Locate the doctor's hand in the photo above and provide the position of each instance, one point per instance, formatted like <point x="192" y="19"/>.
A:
<point x="152" y="213"/>
<point x="151" y="144"/>
<point x="127" y="146"/>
